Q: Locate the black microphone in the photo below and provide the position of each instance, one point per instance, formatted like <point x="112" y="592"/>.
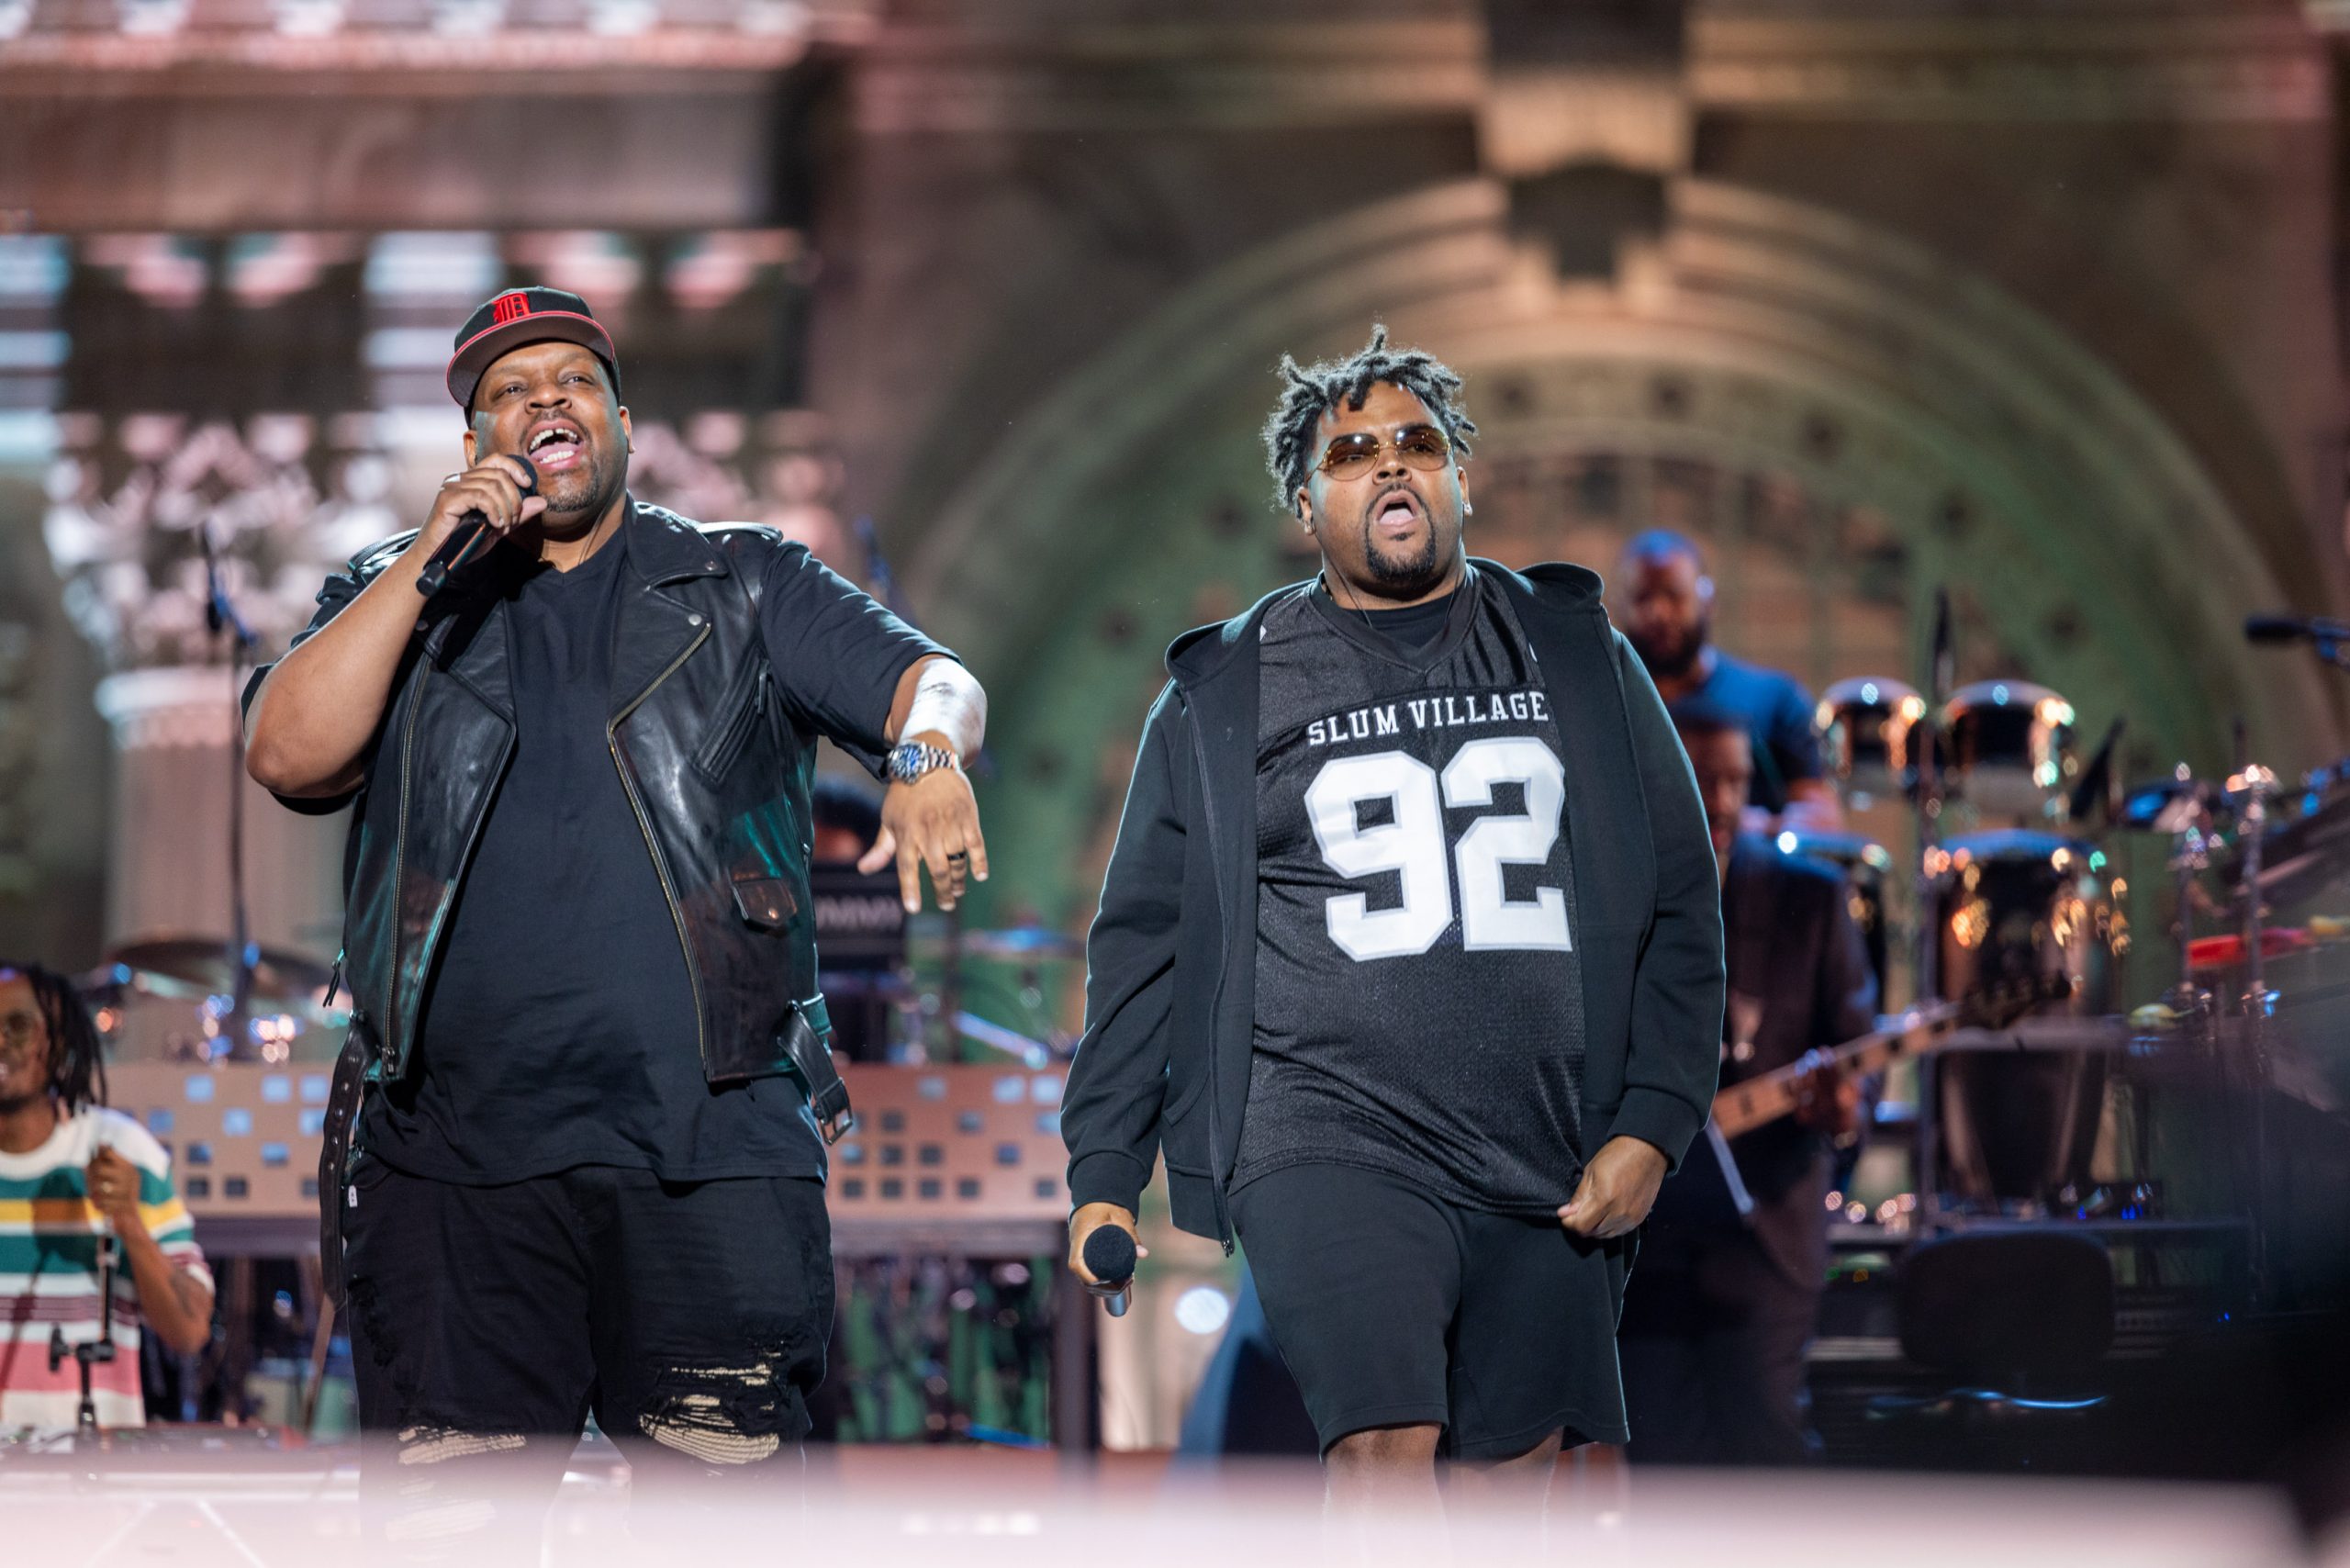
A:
<point x="2295" y="629"/>
<point x="468" y="538"/>
<point x="219" y="612"/>
<point x="1110" y="1258"/>
<point x="213" y="620"/>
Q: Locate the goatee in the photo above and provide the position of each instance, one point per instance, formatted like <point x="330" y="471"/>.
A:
<point x="1416" y="575"/>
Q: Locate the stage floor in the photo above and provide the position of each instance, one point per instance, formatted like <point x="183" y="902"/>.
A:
<point x="877" y="1507"/>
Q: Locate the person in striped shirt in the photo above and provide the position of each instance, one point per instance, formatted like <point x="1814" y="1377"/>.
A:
<point x="75" y="1177"/>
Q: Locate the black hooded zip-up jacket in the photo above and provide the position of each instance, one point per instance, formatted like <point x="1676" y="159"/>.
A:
<point x="1171" y="958"/>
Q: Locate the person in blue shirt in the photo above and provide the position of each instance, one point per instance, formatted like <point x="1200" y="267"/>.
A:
<point x="1664" y="603"/>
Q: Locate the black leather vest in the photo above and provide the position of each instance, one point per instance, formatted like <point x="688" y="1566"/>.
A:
<point x="717" y="772"/>
<point x="718" y="776"/>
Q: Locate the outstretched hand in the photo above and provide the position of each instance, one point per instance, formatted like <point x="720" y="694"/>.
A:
<point x="933" y="822"/>
<point x="1618" y="1189"/>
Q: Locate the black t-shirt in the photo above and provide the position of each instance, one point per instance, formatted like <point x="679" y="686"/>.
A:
<point x="557" y="1029"/>
<point x="1415" y="627"/>
<point x="1419" y="1007"/>
<point x="1778" y="716"/>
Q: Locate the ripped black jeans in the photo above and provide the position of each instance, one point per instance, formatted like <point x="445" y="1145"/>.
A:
<point x="487" y="1322"/>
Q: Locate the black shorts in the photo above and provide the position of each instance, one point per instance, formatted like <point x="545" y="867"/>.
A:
<point x="1394" y="1307"/>
<point x="516" y="1310"/>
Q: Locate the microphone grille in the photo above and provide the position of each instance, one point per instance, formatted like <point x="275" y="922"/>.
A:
<point x="1110" y="1253"/>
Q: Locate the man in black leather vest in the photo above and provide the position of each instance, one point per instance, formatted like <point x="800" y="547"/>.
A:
<point x="576" y="1156"/>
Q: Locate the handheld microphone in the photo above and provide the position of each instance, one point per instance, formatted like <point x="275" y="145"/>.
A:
<point x="2295" y="629"/>
<point x="469" y="538"/>
<point x="1110" y="1255"/>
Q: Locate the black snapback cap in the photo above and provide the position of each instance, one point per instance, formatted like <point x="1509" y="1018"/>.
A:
<point x="523" y="315"/>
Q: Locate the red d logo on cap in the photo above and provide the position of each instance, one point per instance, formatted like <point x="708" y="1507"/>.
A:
<point x="509" y="307"/>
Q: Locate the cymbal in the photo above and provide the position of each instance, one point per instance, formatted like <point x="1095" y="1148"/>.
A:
<point x="2305" y="851"/>
<point x="2171" y="806"/>
<point x="1022" y="944"/>
<point x="198" y="966"/>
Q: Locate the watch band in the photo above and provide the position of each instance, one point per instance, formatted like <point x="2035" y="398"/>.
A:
<point x="910" y="760"/>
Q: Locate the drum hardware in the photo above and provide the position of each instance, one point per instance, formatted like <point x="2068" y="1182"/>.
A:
<point x="240" y="955"/>
<point x="194" y="968"/>
<point x="2306" y="850"/>
<point x="1941" y="674"/>
<point x="2252" y="788"/>
<point x="193" y="975"/>
<point x="2189" y="810"/>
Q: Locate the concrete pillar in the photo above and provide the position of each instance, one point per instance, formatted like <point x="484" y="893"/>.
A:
<point x="173" y="730"/>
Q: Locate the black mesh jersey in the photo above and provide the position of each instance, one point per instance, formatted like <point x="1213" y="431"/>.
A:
<point x="1418" y="1007"/>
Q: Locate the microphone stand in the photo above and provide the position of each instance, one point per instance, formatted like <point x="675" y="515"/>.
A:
<point x="220" y="617"/>
<point x="90" y="1352"/>
<point x="1926" y="951"/>
<point x="2254" y="784"/>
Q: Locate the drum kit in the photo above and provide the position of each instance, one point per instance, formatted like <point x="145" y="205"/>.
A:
<point x="206" y="999"/>
<point x="2035" y="889"/>
<point x="897" y="986"/>
<point x="2021" y="897"/>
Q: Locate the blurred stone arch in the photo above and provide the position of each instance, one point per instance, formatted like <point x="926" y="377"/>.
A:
<point x="1844" y="419"/>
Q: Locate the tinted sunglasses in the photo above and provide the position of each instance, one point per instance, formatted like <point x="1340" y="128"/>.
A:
<point x="1420" y="446"/>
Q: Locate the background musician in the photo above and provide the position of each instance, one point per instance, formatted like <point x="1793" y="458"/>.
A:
<point x="1663" y="600"/>
<point x="1719" y="1312"/>
<point x="76" y="1178"/>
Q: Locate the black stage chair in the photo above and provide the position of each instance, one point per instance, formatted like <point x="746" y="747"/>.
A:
<point x="2017" y="1318"/>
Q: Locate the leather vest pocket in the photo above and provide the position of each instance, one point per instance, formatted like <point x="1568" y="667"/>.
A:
<point x="765" y="902"/>
<point x="732" y="734"/>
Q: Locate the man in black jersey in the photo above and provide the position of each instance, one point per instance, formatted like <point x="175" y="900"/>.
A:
<point x="1408" y="960"/>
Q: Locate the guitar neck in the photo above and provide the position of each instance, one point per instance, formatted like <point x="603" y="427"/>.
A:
<point x="1759" y="1102"/>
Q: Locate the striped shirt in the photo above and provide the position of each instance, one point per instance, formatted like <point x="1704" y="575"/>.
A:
<point x="50" y="1236"/>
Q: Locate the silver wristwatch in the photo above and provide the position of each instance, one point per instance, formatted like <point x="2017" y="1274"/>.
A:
<point x="910" y="760"/>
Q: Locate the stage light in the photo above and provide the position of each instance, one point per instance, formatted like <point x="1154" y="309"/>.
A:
<point x="1204" y="1309"/>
